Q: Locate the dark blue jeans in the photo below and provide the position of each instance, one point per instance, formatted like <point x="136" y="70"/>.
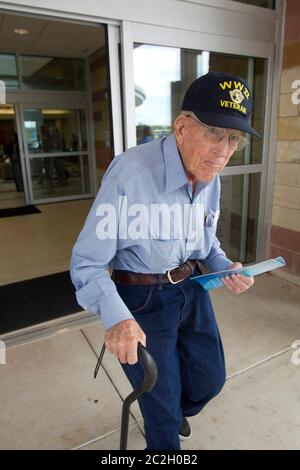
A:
<point x="183" y="338"/>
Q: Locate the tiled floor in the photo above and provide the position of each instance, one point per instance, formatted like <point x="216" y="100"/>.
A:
<point x="40" y="244"/>
<point x="49" y="398"/>
<point x="9" y="196"/>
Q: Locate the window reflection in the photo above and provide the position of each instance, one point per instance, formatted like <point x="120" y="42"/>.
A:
<point x="55" y="130"/>
<point x="239" y="210"/>
<point x="162" y="75"/>
<point x="59" y="176"/>
<point x="48" y="73"/>
<point x="43" y="73"/>
<point x="60" y="132"/>
<point x="8" y="70"/>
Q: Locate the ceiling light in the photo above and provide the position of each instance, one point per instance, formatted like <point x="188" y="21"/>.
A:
<point x="21" y="31"/>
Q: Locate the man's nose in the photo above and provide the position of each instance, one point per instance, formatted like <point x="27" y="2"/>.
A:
<point x="221" y="148"/>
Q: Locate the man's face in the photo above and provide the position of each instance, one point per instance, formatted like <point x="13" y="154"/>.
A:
<point x="201" y="157"/>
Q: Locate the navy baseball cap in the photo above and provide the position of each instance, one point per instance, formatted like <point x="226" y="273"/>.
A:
<point x="221" y="100"/>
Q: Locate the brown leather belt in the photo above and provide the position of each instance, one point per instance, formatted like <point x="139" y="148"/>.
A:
<point x="173" y="276"/>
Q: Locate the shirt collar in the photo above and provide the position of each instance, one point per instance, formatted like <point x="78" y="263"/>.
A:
<point x="175" y="173"/>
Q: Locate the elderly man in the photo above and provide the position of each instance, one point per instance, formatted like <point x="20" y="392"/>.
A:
<point x="150" y="297"/>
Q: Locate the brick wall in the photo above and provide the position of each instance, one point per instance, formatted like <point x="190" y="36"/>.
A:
<point x="285" y="230"/>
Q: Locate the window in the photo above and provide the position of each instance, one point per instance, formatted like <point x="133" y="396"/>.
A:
<point x="162" y="75"/>
<point x="8" y="70"/>
<point x="52" y="73"/>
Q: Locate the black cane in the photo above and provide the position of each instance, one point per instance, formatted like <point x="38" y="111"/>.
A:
<point x="150" y="376"/>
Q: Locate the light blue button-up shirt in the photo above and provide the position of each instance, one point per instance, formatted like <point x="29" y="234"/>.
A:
<point x="149" y="175"/>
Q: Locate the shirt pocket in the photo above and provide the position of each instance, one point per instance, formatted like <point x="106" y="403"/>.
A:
<point x="211" y="219"/>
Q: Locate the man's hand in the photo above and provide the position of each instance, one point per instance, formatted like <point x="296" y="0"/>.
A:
<point x="122" y="340"/>
<point x="237" y="283"/>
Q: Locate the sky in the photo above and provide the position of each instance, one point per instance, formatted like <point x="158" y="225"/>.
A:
<point x="155" y="67"/>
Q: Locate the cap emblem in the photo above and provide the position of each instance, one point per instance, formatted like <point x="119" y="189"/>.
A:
<point x="237" y="92"/>
<point x="236" y="96"/>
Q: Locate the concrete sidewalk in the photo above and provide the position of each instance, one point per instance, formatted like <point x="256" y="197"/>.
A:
<point x="49" y="399"/>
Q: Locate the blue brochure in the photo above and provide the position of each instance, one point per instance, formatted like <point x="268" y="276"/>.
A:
<point x="213" y="280"/>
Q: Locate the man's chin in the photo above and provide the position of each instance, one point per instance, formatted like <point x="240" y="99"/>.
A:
<point x="206" y="177"/>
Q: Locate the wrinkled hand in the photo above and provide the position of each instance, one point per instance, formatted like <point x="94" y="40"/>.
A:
<point x="237" y="283"/>
<point x="122" y="340"/>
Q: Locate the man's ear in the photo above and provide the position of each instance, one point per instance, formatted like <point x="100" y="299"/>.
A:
<point x="179" y="129"/>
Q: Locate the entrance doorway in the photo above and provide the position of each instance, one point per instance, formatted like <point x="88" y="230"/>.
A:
<point x="11" y="175"/>
<point x="56" y="143"/>
<point x="44" y="151"/>
<point x="57" y="86"/>
<point x="56" y="152"/>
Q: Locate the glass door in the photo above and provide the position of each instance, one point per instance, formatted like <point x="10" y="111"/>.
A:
<point x="56" y="153"/>
<point x="12" y="181"/>
<point x="161" y="73"/>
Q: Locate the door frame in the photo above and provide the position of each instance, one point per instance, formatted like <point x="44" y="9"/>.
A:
<point x="47" y="100"/>
<point x="133" y="32"/>
<point x="83" y="99"/>
<point x="28" y="156"/>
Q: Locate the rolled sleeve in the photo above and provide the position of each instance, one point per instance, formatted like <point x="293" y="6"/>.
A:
<point x="101" y="297"/>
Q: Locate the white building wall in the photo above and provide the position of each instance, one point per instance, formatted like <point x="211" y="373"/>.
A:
<point x="222" y="17"/>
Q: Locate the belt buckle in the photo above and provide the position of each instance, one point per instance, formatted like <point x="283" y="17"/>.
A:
<point x="170" y="278"/>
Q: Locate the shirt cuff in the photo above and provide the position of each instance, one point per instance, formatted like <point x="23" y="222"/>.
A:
<point x="218" y="263"/>
<point x="109" y="306"/>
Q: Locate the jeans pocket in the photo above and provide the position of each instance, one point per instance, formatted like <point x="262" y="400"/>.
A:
<point x="136" y="298"/>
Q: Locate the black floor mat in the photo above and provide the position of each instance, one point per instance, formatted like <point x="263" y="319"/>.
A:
<point x="23" y="210"/>
<point x="37" y="300"/>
